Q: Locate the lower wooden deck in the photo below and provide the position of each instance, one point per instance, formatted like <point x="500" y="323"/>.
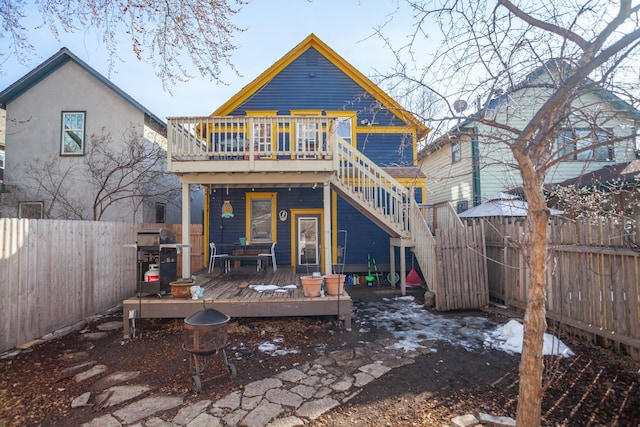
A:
<point x="233" y="295"/>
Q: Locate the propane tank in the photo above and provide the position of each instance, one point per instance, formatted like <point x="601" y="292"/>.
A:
<point x="153" y="274"/>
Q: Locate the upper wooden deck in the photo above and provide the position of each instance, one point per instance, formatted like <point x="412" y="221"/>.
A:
<point x="241" y="144"/>
<point x="230" y="294"/>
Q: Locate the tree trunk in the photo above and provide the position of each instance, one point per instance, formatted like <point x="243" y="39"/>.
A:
<point x="535" y="325"/>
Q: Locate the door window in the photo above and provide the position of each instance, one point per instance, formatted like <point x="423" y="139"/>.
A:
<point x="308" y="242"/>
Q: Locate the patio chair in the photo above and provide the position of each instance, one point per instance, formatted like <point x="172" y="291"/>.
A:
<point x="224" y="263"/>
<point x="271" y="254"/>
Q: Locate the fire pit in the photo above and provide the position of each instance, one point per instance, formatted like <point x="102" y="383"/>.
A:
<point x="205" y="334"/>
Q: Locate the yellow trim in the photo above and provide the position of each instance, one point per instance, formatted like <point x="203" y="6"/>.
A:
<point x="294" y="213"/>
<point x="385" y="129"/>
<point x="249" y="196"/>
<point x="415" y="182"/>
<point x="313" y="41"/>
<point x="305" y="112"/>
<point x="262" y="113"/>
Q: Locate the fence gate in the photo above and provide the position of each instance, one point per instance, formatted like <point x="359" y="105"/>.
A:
<point x="462" y="268"/>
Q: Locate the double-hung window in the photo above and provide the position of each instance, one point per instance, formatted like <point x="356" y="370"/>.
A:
<point x="261" y="218"/>
<point x="572" y="140"/>
<point x="456" y="153"/>
<point x="73" y="138"/>
<point x="161" y="213"/>
<point x="262" y="132"/>
<point x="30" y="210"/>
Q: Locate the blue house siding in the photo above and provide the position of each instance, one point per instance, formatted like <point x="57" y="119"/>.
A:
<point x="323" y="86"/>
<point x="387" y="149"/>
<point x="229" y="230"/>
<point x="313" y="78"/>
<point x="364" y="237"/>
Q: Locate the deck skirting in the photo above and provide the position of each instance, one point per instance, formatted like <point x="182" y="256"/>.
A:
<point x="230" y="294"/>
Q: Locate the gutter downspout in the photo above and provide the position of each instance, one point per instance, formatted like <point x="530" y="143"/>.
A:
<point x="475" y="167"/>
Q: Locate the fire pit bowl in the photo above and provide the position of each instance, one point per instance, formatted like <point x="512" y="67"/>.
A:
<point x="204" y="334"/>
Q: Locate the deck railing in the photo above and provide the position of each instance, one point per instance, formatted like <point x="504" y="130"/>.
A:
<point x="424" y="245"/>
<point x="250" y="138"/>
<point x="441" y="215"/>
<point x="372" y="186"/>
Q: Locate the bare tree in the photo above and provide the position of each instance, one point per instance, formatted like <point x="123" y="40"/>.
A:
<point x="489" y="49"/>
<point x="161" y="32"/>
<point x="131" y="172"/>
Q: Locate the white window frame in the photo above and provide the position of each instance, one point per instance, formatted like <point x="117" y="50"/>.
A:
<point x="68" y="134"/>
<point x="456" y="152"/>
<point x="571" y="139"/>
<point x="23" y="206"/>
<point x="163" y="210"/>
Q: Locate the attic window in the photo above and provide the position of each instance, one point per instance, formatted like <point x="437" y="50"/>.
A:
<point x="456" y="154"/>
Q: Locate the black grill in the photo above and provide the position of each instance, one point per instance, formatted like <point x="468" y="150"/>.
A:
<point x="156" y="246"/>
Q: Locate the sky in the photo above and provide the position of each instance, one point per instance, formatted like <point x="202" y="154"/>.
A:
<point x="272" y="28"/>
<point x="412" y="326"/>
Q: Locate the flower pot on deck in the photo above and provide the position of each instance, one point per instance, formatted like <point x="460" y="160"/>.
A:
<point x="311" y="285"/>
<point x="181" y="288"/>
<point x="334" y="283"/>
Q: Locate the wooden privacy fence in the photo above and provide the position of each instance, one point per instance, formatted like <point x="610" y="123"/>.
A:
<point x="593" y="276"/>
<point x="55" y="273"/>
<point x="462" y="268"/>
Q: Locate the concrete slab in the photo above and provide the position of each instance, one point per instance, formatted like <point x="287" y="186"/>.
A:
<point x="146" y="407"/>
<point x="314" y="408"/>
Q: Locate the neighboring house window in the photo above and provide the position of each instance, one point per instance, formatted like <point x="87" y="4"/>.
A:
<point x="455" y="152"/>
<point x="161" y="213"/>
<point x="72" y="133"/>
<point x="1" y="160"/>
<point x="30" y="210"/>
<point x="462" y="206"/>
<point x="571" y="140"/>
<point x="261" y="218"/>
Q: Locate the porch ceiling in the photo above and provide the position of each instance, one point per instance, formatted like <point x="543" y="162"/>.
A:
<point x="271" y="179"/>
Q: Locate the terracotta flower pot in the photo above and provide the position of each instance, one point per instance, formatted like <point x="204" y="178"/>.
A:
<point x="311" y="285"/>
<point x="181" y="288"/>
<point x="334" y="283"/>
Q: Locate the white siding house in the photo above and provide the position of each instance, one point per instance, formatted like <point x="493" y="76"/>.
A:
<point x="65" y="120"/>
<point x="486" y="165"/>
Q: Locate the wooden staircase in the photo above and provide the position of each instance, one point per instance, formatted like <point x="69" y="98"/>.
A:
<point x="383" y="200"/>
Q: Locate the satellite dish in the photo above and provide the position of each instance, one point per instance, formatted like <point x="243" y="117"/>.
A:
<point x="460" y="105"/>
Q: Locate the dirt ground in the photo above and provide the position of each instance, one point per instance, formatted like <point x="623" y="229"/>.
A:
<point x="594" y="388"/>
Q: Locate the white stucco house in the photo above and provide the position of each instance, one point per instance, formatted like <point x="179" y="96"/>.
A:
<point x="468" y="164"/>
<point x="79" y="147"/>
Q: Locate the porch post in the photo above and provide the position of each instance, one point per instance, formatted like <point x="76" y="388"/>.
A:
<point x="186" y="231"/>
<point x="403" y="269"/>
<point x="326" y="203"/>
<point x="392" y="263"/>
